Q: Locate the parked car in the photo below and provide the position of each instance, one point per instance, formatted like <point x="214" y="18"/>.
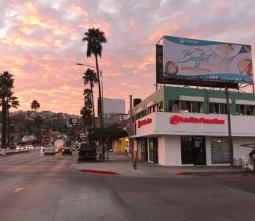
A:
<point x="19" y="148"/>
<point x="29" y="147"/>
<point x="49" y="150"/>
<point x="67" y="150"/>
<point x="87" y="152"/>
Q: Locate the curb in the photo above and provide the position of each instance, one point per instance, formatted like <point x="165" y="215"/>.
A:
<point x="212" y="173"/>
<point x="99" y="172"/>
<point x="16" y="152"/>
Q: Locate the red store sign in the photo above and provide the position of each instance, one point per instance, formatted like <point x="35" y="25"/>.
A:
<point x="176" y="119"/>
<point x="144" y="122"/>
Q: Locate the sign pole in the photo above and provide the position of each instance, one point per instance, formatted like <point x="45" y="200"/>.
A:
<point x="230" y="140"/>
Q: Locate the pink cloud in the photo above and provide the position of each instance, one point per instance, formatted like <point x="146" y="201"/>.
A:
<point x="41" y="43"/>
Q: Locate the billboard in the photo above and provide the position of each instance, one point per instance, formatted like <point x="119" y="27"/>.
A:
<point x="70" y="122"/>
<point x="113" y="105"/>
<point x="200" y="60"/>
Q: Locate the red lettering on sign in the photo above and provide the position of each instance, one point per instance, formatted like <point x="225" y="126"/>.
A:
<point x="144" y="122"/>
<point x="176" y="119"/>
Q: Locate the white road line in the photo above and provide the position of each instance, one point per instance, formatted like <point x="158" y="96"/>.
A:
<point x="18" y="189"/>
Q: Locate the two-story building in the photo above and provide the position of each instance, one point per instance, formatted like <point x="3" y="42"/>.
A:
<point x="177" y="126"/>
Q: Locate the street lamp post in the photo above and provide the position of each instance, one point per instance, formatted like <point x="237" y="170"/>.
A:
<point x="101" y="112"/>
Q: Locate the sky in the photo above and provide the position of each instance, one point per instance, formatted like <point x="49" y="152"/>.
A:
<point x="41" y="42"/>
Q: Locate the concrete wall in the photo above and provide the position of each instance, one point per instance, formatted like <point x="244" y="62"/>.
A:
<point x="161" y="150"/>
<point x="172" y="151"/>
<point x="169" y="151"/>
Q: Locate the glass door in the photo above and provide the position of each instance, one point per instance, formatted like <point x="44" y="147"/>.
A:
<point x="199" y="150"/>
<point x="193" y="150"/>
<point x="153" y="149"/>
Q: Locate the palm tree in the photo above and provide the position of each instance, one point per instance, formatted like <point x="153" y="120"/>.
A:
<point x="12" y="102"/>
<point x="94" y="38"/>
<point x="91" y="79"/>
<point x="38" y="121"/>
<point x="6" y="84"/>
<point x="88" y="103"/>
<point x="35" y="105"/>
<point x="86" y="111"/>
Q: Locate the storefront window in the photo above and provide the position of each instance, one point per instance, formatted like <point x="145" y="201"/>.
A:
<point x="220" y="150"/>
<point x="191" y="106"/>
<point x="174" y="106"/>
<point x="217" y="108"/>
<point x="245" y="109"/>
<point x="185" y="106"/>
<point x="141" y="114"/>
<point x="196" y="107"/>
<point x="160" y="106"/>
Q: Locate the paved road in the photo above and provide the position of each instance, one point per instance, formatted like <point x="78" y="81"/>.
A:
<point x="34" y="188"/>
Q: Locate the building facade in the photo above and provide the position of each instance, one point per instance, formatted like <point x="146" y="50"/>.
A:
<point x="187" y="126"/>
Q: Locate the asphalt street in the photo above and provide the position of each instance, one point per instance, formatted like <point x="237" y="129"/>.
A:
<point x="34" y="187"/>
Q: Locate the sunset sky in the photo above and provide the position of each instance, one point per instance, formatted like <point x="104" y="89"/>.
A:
<point x="41" y="42"/>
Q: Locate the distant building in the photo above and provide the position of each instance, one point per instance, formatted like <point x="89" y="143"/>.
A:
<point x="28" y="138"/>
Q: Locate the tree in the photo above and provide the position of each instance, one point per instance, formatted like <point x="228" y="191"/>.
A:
<point x="94" y="38"/>
<point x="109" y="134"/>
<point x="86" y="111"/>
<point x="35" y="105"/>
<point x="37" y="120"/>
<point x="6" y="84"/>
<point x="12" y="102"/>
<point x="90" y="78"/>
<point x="37" y="124"/>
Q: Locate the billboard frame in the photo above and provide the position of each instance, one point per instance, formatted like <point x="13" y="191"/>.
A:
<point x="186" y="81"/>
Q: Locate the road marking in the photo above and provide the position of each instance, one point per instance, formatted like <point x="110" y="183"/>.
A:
<point x="18" y="189"/>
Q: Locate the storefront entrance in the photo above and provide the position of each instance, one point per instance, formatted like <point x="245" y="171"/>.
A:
<point x="193" y="150"/>
<point x="153" y="149"/>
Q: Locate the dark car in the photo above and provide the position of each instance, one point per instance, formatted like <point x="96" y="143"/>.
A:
<point x="67" y="151"/>
<point x="87" y="152"/>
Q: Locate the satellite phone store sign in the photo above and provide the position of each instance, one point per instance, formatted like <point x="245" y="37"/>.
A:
<point x="206" y="60"/>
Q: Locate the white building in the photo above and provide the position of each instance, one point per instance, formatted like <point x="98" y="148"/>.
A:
<point x="184" y="126"/>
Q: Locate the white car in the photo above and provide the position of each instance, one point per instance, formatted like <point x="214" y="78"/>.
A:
<point x="18" y="148"/>
<point x="49" y="150"/>
<point x="29" y="147"/>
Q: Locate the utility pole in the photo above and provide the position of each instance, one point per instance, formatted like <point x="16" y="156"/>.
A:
<point x="230" y="139"/>
<point x="131" y="142"/>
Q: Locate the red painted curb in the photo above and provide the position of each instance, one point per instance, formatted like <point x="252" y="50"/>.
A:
<point x="99" y="172"/>
<point x="182" y="174"/>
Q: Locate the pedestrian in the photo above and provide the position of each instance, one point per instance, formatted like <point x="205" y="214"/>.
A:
<point x="103" y="151"/>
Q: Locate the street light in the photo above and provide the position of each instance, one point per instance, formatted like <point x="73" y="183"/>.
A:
<point x="102" y="97"/>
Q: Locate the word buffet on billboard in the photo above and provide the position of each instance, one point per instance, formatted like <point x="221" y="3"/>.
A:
<point x="201" y="60"/>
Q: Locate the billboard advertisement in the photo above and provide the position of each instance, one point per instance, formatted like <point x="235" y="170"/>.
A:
<point x="197" y="60"/>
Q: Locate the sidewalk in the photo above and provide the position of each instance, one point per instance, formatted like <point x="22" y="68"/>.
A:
<point x="11" y="152"/>
<point x="123" y="165"/>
